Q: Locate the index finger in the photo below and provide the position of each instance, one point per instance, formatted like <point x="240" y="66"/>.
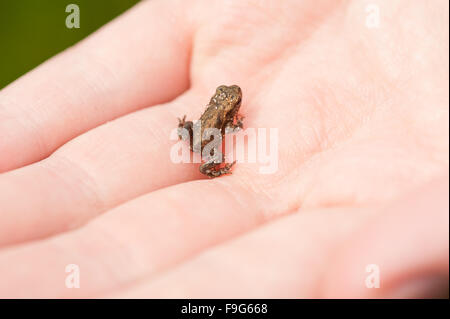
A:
<point x="138" y="60"/>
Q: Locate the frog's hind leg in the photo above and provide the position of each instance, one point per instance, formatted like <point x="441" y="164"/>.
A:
<point x="212" y="169"/>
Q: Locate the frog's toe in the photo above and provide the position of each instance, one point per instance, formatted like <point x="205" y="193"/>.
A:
<point x="181" y="121"/>
<point x="221" y="171"/>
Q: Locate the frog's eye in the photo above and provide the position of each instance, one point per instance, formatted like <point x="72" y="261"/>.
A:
<point x="221" y="88"/>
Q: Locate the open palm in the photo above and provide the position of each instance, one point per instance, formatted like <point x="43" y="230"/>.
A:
<point x="362" y="119"/>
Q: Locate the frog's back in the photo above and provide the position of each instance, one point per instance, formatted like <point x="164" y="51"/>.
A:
<point x="212" y="117"/>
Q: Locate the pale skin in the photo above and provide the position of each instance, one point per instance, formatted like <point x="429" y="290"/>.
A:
<point x="363" y="126"/>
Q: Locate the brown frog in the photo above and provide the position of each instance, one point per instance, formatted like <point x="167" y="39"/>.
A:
<point x="222" y="114"/>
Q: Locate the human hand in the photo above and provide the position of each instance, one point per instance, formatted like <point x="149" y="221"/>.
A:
<point x="362" y="116"/>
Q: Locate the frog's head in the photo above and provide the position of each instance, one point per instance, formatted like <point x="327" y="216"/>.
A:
<point x="228" y="97"/>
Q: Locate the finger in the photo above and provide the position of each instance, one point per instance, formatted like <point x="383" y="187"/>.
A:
<point x="401" y="253"/>
<point x="283" y="259"/>
<point x="96" y="171"/>
<point x="138" y="60"/>
<point x="139" y="238"/>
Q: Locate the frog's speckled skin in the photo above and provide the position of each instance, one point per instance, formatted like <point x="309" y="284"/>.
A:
<point x="220" y="113"/>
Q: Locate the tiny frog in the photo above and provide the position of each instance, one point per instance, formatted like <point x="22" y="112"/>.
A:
<point x="221" y="113"/>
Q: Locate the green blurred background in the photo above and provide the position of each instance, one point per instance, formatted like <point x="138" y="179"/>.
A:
<point x="31" y="31"/>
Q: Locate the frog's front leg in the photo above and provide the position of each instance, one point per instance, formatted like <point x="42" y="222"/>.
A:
<point x="182" y="123"/>
<point x="188" y="125"/>
<point x="211" y="168"/>
<point x="231" y="126"/>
